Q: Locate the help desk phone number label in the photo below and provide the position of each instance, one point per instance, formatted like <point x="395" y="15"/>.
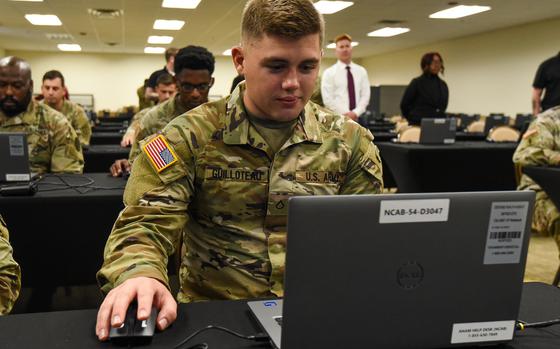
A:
<point x="408" y="211"/>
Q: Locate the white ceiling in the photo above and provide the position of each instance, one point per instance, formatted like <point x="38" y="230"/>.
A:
<point x="215" y="23"/>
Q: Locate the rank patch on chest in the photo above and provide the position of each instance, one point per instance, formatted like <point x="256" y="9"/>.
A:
<point x="160" y="153"/>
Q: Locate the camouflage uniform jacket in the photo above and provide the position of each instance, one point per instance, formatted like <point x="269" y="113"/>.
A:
<point x="155" y="120"/>
<point x="136" y="120"/>
<point x="10" y="276"/>
<point x="79" y="120"/>
<point x="226" y="197"/>
<point x="540" y="145"/>
<point x="53" y="143"/>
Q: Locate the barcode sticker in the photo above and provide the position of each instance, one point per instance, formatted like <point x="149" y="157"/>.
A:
<point x="505" y="232"/>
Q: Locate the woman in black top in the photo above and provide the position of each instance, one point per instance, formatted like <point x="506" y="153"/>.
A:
<point x="427" y="95"/>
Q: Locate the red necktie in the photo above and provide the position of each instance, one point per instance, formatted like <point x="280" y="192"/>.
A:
<point x="351" y="90"/>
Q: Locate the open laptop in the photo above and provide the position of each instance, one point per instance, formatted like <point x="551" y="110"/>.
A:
<point x="438" y="131"/>
<point x="401" y="271"/>
<point x="14" y="157"/>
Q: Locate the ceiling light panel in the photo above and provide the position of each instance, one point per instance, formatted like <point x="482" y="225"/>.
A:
<point x="329" y="7"/>
<point x="460" y="11"/>
<point x="28" y="0"/>
<point x="333" y="44"/>
<point x="187" y="4"/>
<point x="157" y="39"/>
<point x="227" y="52"/>
<point x="388" y="31"/>
<point x="168" y="24"/>
<point x="154" y="49"/>
<point x="69" y="47"/>
<point x="37" y="19"/>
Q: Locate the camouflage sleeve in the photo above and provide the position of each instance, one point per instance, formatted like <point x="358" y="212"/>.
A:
<point x="136" y="149"/>
<point x="151" y="224"/>
<point x="364" y="174"/>
<point x="66" y="151"/>
<point x="537" y="146"/>
<point x="10" y="277"/>
<point x="82" y="126"/>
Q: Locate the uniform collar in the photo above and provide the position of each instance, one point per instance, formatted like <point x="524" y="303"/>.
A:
<point x="178" y="106"/>
<point x="237" y="124"/>
<point x="26" y="117"/>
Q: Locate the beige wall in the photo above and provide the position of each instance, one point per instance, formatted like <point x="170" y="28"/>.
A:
<point x="490" y="72"/>
<point x="2" y="52"/>
<point x="114" y="78"/>
<point x="111" y="78"/>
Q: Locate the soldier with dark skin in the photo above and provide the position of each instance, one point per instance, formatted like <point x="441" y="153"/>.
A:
<point x="194" y="66"/>
<point x="53" y="144"/>
<point x="219" y="176"/>
<point x="10" y="275"/>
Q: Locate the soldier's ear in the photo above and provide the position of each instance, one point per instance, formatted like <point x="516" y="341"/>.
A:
<point x="238" y="57"/>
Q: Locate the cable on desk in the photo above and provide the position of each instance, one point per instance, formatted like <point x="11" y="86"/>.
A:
<point x="259" y="337"/>
<point x="80" y="188"/>
<point x="521" y="325"/>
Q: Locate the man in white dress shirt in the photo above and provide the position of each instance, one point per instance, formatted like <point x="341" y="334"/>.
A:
<point x="345" y="85"/>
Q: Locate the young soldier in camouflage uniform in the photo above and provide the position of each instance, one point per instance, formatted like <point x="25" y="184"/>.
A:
<point x="9" y="273"/>
<point x="54" y="90"/>
<point x="222" y="174"/>
<point x="194" y="66"/>
<point x="53" y="143"/>
<point x="165" y="89"/>
<point x="541" y="146"/>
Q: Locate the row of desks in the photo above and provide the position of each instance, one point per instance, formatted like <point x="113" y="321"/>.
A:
<point x="113" y="135"/>
<point x="463" y="166"/>
<point x="75" y="329"/>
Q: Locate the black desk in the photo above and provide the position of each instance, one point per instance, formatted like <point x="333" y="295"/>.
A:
<point x="548" y="178"/>
<point x="383" y="136"/>
<point x="105" y="138"/>
<point x="75" y="329"/>
<point x="114" y="119"/>
<point x="58" y="235"/>
<point x="98" y="158"/>
<point x="463" y="166"/>
<point x="470" y="136"/>
<point x="108" y="128"/>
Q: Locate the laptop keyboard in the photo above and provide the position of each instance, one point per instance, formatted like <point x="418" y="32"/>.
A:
<point x="278" y="320"/>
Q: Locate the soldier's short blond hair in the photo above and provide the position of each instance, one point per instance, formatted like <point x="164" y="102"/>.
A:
<point x="284" y="18"/>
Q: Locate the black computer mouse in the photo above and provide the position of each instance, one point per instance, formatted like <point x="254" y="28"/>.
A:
<point x="134" y="331"/>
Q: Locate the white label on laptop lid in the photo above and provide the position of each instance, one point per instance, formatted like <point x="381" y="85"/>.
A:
<point x="504" y="241"/>
<point x="17" y="177"/>
<point x="408" y="211"/>
<point x="474" y="332"/>
<point x="16" y="145"/>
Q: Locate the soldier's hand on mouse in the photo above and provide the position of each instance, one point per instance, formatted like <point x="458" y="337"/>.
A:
<point x="147" y="291"/>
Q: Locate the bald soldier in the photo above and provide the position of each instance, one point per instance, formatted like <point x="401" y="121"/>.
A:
<point x="53" y="143"/>
<point x="194" y="66"/>
<point x="54" y="90"/>
<point x="10" y="277"/>
<point x="540" y="146"/>
<point x="220" y="176"/>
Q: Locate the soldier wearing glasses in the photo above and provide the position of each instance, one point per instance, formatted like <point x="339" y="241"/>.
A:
<point x="193" y="67"/>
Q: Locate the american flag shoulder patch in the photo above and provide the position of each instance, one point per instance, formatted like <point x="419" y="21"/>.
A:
<point x="160" y="153"/>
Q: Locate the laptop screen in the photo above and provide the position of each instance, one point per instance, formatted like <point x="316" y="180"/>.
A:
<point x="405" y="270"/>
